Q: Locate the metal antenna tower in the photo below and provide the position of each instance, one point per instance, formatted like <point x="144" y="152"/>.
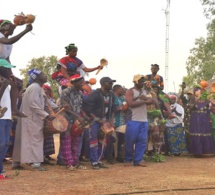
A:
<point x="167" y="13"/>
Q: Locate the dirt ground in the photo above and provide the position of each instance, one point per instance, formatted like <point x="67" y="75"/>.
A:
<point x="178" y="175"/>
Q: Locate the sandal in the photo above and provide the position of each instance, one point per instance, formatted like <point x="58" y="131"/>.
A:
<point x="46" y="161"/>
<point x="18" y="167"/>
<point x="40" y="168"/>
<point x="82" y="167"/>
<point x="127" y="164"/>
<point x="3" y="176"/>
<point x="140" y="164"/>
<point x="49" y="158"/>
<point x="71" y="168"/>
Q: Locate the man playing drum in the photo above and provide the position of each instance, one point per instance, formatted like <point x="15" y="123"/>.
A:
<point x="29" y="138"/>
<point x="71" y="98"/>
<point x="100" y="105"/>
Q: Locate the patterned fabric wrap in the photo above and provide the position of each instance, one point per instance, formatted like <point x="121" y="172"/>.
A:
<point x="48" y="147"/>
<point x="69" y="144"/>
<point x="200" y="137"/>
<point x="70" y="64"/>
<point x="176" y="139"/>
<point x="69" y="148"/>
<point x="119" y="116"/>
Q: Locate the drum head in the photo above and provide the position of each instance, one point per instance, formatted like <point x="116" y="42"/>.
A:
<point x="60" y="123"/>
<point x="121" y="129"/>
<point x="107" y="128"/>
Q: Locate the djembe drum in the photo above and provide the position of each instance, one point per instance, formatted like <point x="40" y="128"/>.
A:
<point x="121" y="129"/>
<point x="56" y="126"/>
<point x="107" y="128"/>
<point x="77" y="128"/>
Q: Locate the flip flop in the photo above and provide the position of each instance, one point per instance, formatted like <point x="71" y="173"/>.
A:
<point x="18" y="167"/>
<point x="141" y="164"/>
<point x="40" y="168"/>
<point x="47" y="162"/>
<point x="71" y="168"/>
<point x="82" y="167"/>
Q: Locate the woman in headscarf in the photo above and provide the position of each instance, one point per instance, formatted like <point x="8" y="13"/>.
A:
<point x="154" y="115"/>
<point x="49" y="147"/>
<point x="175" y="130"/>
<point x="28" y="146"/>
<point x="200" y="135"/>
<point x="70" y="65"/>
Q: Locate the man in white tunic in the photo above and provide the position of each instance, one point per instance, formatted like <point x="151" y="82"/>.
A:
<point x="28" y="147"/>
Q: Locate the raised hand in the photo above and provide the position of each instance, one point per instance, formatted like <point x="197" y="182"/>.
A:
<point x="29" y="27"/>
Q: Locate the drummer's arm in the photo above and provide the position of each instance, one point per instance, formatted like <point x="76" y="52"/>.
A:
<point x="64" y="101"/>
<point x="35" y="103"/>
<point x="94" y="117"/>
<point x="69" y="110"/>
<point x="85" y="115"/>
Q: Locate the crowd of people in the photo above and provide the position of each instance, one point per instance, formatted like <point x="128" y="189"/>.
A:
<point x="109" y="124"/>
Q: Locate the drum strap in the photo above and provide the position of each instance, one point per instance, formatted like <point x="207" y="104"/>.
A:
<point x="103" y="146"/>
<point x="110" y="104"/>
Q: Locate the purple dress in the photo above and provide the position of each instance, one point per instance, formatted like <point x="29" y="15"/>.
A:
<point x="201" y="141"/>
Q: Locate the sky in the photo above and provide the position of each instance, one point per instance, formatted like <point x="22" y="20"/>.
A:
<point x="130" y="34"/>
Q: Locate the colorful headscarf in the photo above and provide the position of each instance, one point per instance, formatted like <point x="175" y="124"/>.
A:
<point x="196" y="88"/>
<point x="70" y="47"/>
<point x="3" y="22"/>
<point x="49" y="90"/>
<point x="76" y="77"/>
<point x="33" y="74"/>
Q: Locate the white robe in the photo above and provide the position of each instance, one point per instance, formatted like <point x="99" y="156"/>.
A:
<point x="28" y="146"/>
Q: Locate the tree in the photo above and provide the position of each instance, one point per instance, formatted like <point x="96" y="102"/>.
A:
<point x="48" y="66"/>
<point x="209" y="8"/>
<point x="200" y="64"/>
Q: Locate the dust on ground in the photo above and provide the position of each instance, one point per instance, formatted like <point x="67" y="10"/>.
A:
<point x="178" y="175"/>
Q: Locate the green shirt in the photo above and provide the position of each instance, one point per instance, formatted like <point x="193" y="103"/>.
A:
<point x="212" y="116"/>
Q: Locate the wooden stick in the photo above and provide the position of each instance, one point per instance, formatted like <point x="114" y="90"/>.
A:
<point x="60" y="111"/>
<point x="99" y="70"/>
